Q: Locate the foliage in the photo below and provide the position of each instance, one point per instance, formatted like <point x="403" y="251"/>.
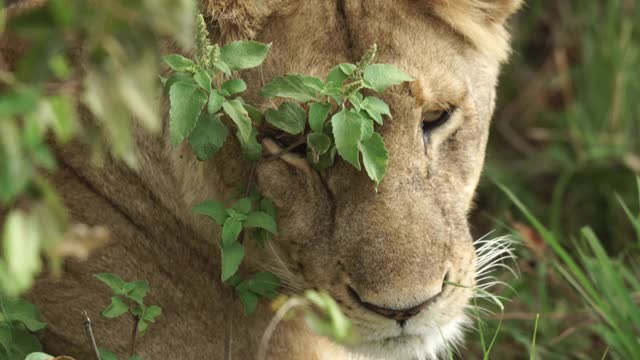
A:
<point x="128" y="297"/>
<point x="18" y="320"/>
<point x="42" y="95"/>
<point x="607" y="286"/>
<point x="565" y="143"/>
<point x="339" y="120"/>
<point x="349" y="132"/>
<point x="40" y="100"/>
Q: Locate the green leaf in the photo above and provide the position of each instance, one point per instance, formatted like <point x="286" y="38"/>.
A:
<point x="337" y="74"/>
<point x="262" y="220"/>
<point x="128" y="287"/>
<point x="313" y="83"/>
<point x="151" y="313"/>
<point x="240" y="117"/>
<point x="178" y="77"/>
<point x="232" y="256"/>
<point x="381" y="76"/>
<point x="203" y="79"/>
<point x="60" y="66"/>
<point x="318" y="325"/>
<point x="222" y="66"/>
<point x="243" y="205"/>
<point x="139" y="291"/>
<point x="241" y="55"/>
<point x="347" y="130"/>
<point x="117" y="308"/>
<point x="42" y="157"/>
<point x="107" y="355"/>
<point x="230" y="231"/>
<point x="16" y="342"/>
<point x="375" y="157"/>
<point x="15" y="173"/>
<point x="367" y="128"/>
<point x="318" y="113"/>
<point x="264" y="284"/>
<point x="21" y="250"/>
<point x="347" y="68"/>
<point x="137" y="310"/>
<point x="213" y="209"/>
<point x="325" y="161"/>
<point x="333" y="92"/>
<point x="375" y="107"/>
<point x="178" y="62"/>
<point x="254" y="114"/>
<point x="187" y="101"/>
<point x="334" y="324"/>
<point x="249" y="300"/>
<point x="319" y="144"/>
<point x="267" y="206"/>
<point x="18" y="101"/>
<point x="113" y="281"/>
<point x="38" y="356"/>
<point x="251" y="149"/>
<point x="297" y="87"/>
<point x="233" y="86"/>
<point x="208" y="136"/>
<point x="21" y="342"/>
<point x="215" y="102"/>
<point x="356" y="100"/>
<point x="289" y="117"/>
<point x="24" y="312"/>
<point x="65" y="117"/>
<point x="143" y="325"/>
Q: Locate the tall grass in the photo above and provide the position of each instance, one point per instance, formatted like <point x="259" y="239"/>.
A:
<point x="566" y="146"/>
<point x="608" y="286"/>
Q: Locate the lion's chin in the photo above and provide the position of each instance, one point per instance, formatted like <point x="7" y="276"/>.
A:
<point x="429" y="342"/>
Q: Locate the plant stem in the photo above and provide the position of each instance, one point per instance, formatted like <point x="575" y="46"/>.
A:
<point x="228" y="336"/>
<point x="252" y="175"/>
<point x="89" y="331"/>
<point x="134" y="334"/>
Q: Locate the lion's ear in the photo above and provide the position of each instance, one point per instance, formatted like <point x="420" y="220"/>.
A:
<point x="480" y="21"/>
<point x="497" y="10"/>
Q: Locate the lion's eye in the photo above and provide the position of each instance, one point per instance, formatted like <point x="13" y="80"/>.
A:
<point x="433" y="119"/>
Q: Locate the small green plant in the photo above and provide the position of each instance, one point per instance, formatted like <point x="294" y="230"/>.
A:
<point x="19" y="319"/>
<point x="256" y="216"/>
<point x="128" y="297"/>
<point x="331" y="116"/>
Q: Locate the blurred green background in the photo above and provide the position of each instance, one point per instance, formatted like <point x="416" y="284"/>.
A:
<point x="566" y="142"/>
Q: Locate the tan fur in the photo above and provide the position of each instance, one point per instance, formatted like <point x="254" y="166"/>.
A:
<point x="393" y="247"/>
<point x="479" y="21"/>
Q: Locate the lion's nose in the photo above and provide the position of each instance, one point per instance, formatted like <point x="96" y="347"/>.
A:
<point x="400" y="315"/>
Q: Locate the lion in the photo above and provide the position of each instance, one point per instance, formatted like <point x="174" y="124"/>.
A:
<point x="390" y="258"/>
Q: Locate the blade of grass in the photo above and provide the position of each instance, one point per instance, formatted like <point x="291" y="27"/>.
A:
<point x="533" y="341"/>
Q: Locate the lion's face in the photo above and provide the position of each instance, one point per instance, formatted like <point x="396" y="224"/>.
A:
<point x="389" y="257"/>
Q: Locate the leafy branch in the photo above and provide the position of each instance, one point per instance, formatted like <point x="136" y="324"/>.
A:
<point x="128" y="297"/>
<point x="331" y="116"/>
